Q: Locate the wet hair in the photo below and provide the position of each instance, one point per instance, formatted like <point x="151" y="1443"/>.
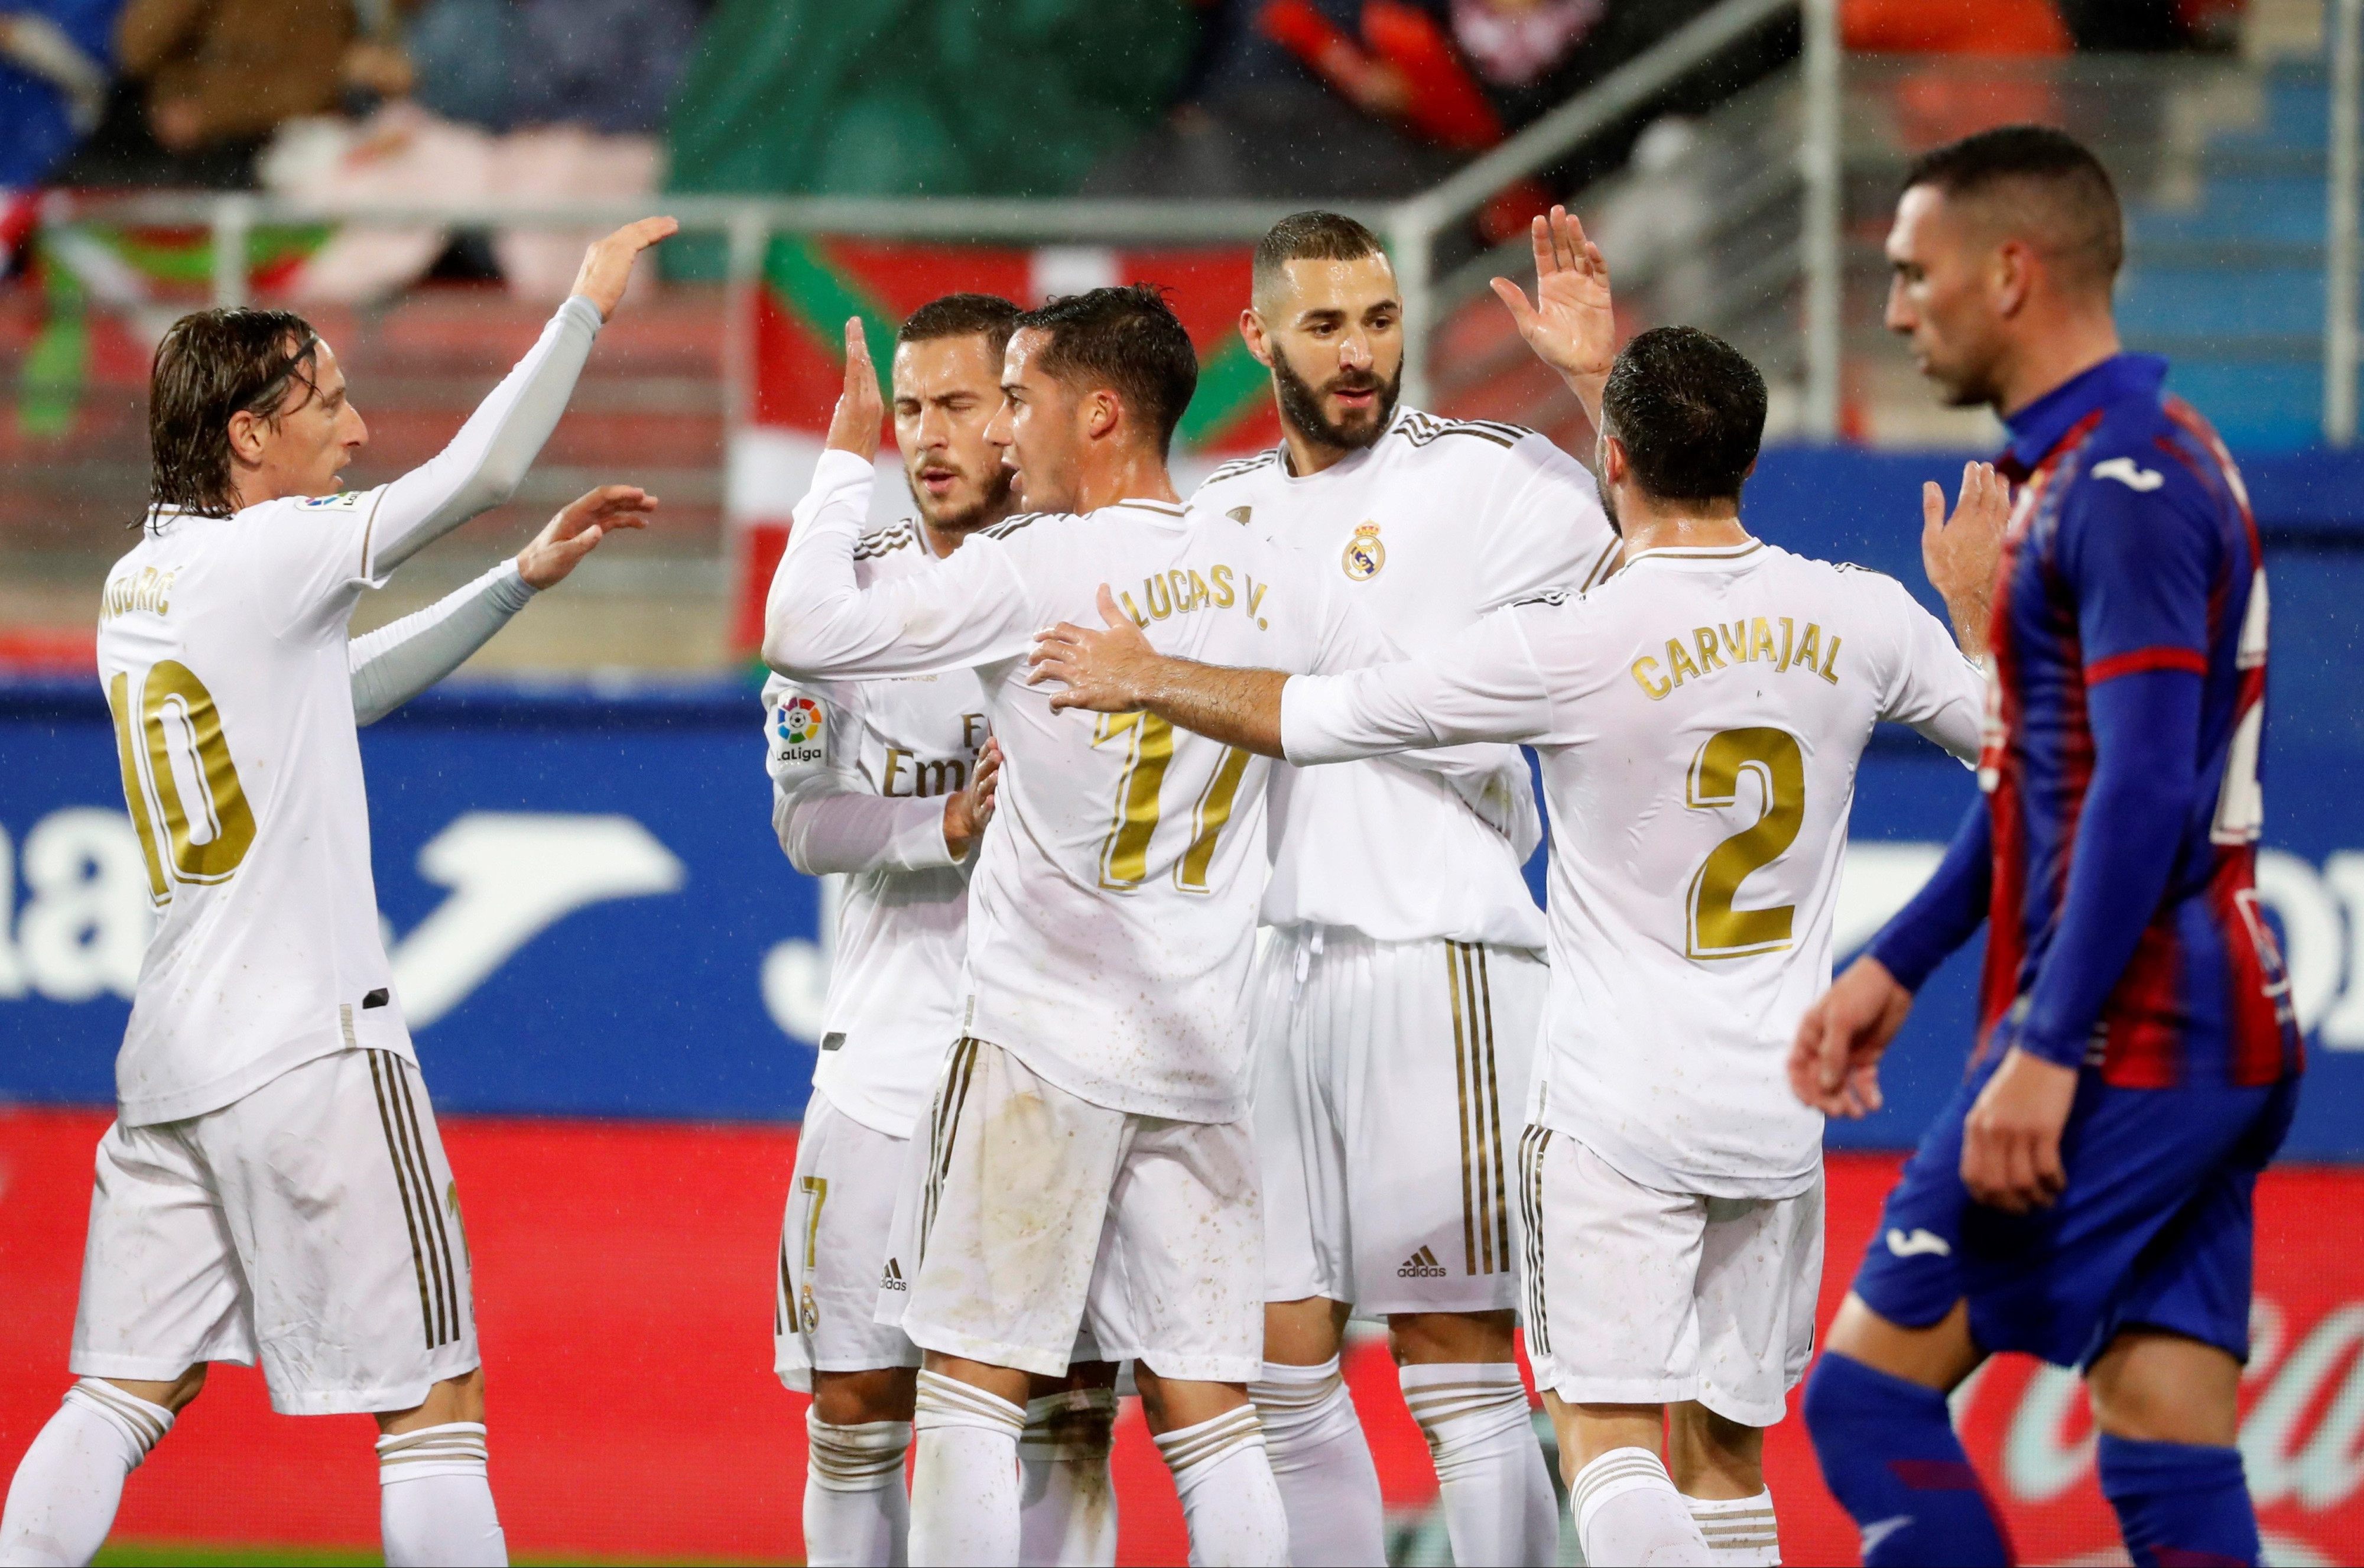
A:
<point x="1690" y="410"/>
<point x="212" y="365"/>
<point x="2043" y="185"/>
<point x="986" y="315"/>
<point x="1310" y="236"/>
<point x="1128" y="341"/>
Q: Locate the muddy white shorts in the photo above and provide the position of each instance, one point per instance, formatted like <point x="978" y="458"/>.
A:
<point x="1384" y="1073"/>
<point x="834" y="1244"/>
<point x="313" y="1223"/>
<point x="1042" y="1213"/>
<point x="1637" y="1297"/>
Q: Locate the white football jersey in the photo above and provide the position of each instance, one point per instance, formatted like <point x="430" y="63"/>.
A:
<point x="1433" y="525"/>
<point x="1699" y="716"/>
<point x="222" y="646"/>
<point x="860" y="770"/>
<point x="1112" y="905"/>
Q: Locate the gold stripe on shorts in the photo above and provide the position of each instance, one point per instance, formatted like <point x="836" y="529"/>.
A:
<point x="950" y="1097"/>
<point x="446" y="1272"/>
<point x="1532" y="1142"/>
<point x="402" y="1188"/>
<point x="1484" y="1215"/>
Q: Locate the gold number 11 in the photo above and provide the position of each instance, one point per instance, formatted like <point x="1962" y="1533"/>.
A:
<point x="1149" y="748"/>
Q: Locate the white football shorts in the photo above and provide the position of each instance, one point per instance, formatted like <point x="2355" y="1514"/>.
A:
<point x="1042" y="1214"/>
<point x="314" y="1222"/>
<point x="1637" y="1297"/>
<point x="1385" y="1071"/>
<point x="835" y="1243"/>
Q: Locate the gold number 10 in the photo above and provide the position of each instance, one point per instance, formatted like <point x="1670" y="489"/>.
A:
<point x="169" y="697"/>
<point x="1149" y="746"/>
<point x="1717" y="929"/>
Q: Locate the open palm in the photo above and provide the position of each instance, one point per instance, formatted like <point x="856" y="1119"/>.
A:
<point x="1571" y="325"/>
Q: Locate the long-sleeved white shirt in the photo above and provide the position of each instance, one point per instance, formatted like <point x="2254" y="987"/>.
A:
<point x="860" y="770"/>
<point x="1699" y="717"/>
<point x="223" y="645"/>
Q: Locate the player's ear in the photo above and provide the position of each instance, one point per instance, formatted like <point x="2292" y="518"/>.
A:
<point x="1103" y="411"/>
<point x="246" y="437"/>
<point x="1251" y="333"/>
<point x="1615" y="466"/>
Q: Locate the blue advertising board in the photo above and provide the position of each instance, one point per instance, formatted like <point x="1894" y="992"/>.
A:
<point x="588" y="913"/>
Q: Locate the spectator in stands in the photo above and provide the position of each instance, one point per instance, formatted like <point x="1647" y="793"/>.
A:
<point x="53" y="74"/>
<point x="205" y="82"/>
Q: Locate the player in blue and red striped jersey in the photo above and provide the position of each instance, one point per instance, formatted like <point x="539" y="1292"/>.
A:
<point x="2087" y="1194"/>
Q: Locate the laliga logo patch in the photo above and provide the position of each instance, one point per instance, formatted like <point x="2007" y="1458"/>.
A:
<point x="800" y="720"/>
<point x="1365" y="554"/>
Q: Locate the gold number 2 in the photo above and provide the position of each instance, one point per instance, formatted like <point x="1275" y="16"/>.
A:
<point x="171" y="698"/>
<point x="1149" y="748"/>
<point x="1716" y="928"/>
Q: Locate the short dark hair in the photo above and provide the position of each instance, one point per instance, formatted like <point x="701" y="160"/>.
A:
<point x="986" y="315"/>
<point x="211" y="365"/>
<point x="1127" y="340"/>
<point x="2053" y="189"/>
<point x="1310" y="236"/>
<point x="1690" y="410"/>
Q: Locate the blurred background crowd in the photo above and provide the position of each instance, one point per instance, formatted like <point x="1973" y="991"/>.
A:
<point x="1168" y="98"/>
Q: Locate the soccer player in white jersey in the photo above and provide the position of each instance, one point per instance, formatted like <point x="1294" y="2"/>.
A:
<point x="274" y="1184"/>
<point x="1090" y="1160"/>
<point x="889" y="784"/>
<point x="1699" y="716"/>
<point x="1397" y="1014"/>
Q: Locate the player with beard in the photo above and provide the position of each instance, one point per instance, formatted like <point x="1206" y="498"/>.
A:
<point x="888" y="783"/>
<point x="1396" y="1015"/>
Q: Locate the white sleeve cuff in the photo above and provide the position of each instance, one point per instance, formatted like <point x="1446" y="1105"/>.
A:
<point x="1314" y="712"/>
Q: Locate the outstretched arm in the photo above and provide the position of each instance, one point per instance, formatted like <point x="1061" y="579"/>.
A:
<point x="1482" y="687"/>
<point x="819" y="622"/>
<point x="488" y="459"/>
<point x="402" y="658"/>
<point x="1115" y="669"/>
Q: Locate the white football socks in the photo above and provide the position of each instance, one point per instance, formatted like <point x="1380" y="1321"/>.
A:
<point x="1490" y="1477"/>
<point x="435" y="1500"/>
<point x="70" y="1481"/>
<point x="1740" y="1531"/>
<point x="1627" y="1511"/>
<point x="1321" y="1463"/>
<point x="855" y="1513"/>
<point x="964" y="1483"/>
<point x="1066" y="1502"/>
<point x="1229" y="1501"/>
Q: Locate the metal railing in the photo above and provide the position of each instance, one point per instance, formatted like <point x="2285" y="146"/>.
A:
<point x="1416" y="227"/>
<point x="1413" y="226"/>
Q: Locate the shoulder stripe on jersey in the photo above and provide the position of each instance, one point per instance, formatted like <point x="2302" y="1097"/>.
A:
<point x="1243" y="466"/>
<point x="1419" y="431"/>
<point x="1601" y="568"/>
<point x="1008" y="525"/>
<point x="885" y="541"/>
<point x="1548" y="597"/>
<point x="2142" y="659"/>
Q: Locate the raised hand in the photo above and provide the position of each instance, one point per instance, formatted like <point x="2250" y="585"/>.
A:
<point x="577" y="529"/>
<point x="854" y="425"/>
<point x="1960" y="553"/>
<point x="1570" y="326"/>
<point x="607" y="265"/>
<point x="1105" y="671"/>
<point x="968" y="809"/>
<point x="1834" y="1060"/>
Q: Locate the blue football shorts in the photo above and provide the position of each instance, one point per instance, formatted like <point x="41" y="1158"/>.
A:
<point x="2156" y="1227"/>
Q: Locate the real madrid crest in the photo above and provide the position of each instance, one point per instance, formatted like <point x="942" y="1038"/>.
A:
<point x="1365" y="554"/>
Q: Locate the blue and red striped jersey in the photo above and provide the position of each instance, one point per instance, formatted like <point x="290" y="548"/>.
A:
<point x="2132" y="549"/>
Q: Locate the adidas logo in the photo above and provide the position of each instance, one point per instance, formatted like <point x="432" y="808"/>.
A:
<point x="893" y="1278"/>
<point x="1422" y="1265"/>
